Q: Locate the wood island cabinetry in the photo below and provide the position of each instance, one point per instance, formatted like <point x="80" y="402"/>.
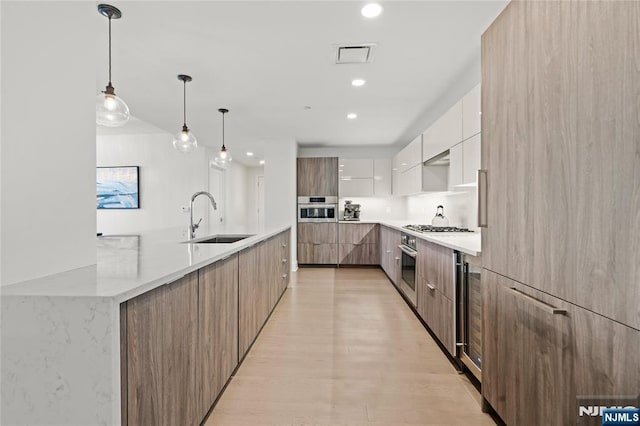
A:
<point x="181" y="342"/>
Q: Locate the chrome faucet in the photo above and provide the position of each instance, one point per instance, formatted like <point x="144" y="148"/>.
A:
<point x="194" y="226"/>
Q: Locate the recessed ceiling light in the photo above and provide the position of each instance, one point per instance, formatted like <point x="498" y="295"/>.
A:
<point x="371" y="10"/>
<point x="352" y="116"/>
<point x="249" y="154"/>
<point x="358" y="82"/>
<point x="341" y="165"/>
<point x="261" y="161"/>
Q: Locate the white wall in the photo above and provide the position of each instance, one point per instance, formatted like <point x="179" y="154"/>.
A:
<point x="372" y="208"/>
<point x="48" y="134"/>
<point x="168" y="178"/>
<point x="459" y="207"/>
<point x="280" y="187"/>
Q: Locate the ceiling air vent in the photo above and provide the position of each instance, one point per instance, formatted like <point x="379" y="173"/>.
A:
<point x="355" y="53"/>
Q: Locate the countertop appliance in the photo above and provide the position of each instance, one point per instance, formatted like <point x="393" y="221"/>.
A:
<point x="408" y="262"/>
<point x="351" y="211"/>
<point x="469" y="312"/>
<point x="431" y="228"/>
<point x="318" y="209"/>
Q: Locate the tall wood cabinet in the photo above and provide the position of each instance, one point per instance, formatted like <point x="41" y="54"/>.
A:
<point x="560" y="143"/>
<point x="318" y="176"/>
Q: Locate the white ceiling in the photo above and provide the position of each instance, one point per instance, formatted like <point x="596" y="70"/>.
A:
<point x="266" y="60"/>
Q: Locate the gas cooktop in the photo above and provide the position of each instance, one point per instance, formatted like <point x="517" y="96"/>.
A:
<point x="431" y="228"/>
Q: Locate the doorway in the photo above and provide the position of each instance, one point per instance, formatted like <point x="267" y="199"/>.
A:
<point x="216" y="188"/>
<point x="260" y="202"/>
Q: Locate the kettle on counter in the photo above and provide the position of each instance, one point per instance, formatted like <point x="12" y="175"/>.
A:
<point x="440" y="219"/>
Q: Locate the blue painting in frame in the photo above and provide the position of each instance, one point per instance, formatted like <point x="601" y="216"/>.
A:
<point x="118" y="187"/>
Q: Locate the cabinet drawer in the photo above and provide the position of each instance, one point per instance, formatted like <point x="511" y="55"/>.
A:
<point x="358" y="233"/>
<point x="359" y="254"/>
<point x="318" y="233"/>
<point x="319" y="254"/>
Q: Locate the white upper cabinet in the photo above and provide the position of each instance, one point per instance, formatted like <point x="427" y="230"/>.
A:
<point x="364" y="178"/>
<point x="350" y="168"/>
<point x="411" y="155"/>
<point x="471" y="105"/>
<point x="444" y="133"/>
<point x="382" y="177"/>
<point x="471" y="159"/>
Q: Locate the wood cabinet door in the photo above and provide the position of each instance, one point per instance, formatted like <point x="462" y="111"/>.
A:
<point x="358" y="233"/>
<point x="385" y="250"/>
<point x="144" y="373"/>
<point x="249" y="294"/>
<point x="161" y="339"/>
<point x="317" y="254"/>
<point x="217" y="330"/>
<point x="559" y="142"/>
<point x="318" y="233"/>
<point x="317" y="176"/>
<point x="359" y="254"/>
<point x="528" y="356"/>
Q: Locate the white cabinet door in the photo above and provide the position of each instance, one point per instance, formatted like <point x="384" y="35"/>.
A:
<point x="411" y="155"/>
<point x="456" y="161"/>
<point x="396" y="182"/>
<point x="382" y="177"/>
<point x="355" y="168"/>
<point x="471" y="113"/>
<point x="444" y="133"/>
<point x="357" y="187"/>
<point x="471" y="159"/>
<point x="412" y="180"/>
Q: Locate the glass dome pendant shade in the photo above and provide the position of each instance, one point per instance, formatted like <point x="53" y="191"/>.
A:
<point x="185" y="140"/>
<point x="224" y="156"/>
<point x="111" y="111"/>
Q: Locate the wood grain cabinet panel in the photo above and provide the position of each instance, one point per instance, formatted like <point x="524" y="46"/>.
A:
<point x="359" y="254"/>
<point x="318" y="233"/>
<point x="144" y="373"/>
<point x="560" y="137"/>
<point x="218" y="329"/>
<point x="318" y="254"/>
<point x="161" y="355"/>
<point x="249" y="293"/>
<point x="359" y="243"/>
<point x="317" y="176"/>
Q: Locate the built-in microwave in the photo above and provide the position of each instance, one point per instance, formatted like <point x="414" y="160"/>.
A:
<point x="318" y="209"/>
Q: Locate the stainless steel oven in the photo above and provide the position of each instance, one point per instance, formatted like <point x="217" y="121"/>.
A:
<point x="469" y="324"/>
<point x="408" y="274"/>
<point x="318" y="209"/>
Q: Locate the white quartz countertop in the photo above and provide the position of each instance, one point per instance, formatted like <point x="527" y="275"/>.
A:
<point x="129" y="265"/>
<point x="466" y="242"/>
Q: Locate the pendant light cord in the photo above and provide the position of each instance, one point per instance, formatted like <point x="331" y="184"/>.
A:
<point x="184" y="103"/>
<point x="223" y="130"/>
<point x="109" y="50"/>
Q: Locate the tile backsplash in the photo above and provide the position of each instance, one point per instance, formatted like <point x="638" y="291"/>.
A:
<point x="460" y="207"/>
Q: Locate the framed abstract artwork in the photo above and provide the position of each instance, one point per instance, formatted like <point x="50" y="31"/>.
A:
<point x="118" y="187"/>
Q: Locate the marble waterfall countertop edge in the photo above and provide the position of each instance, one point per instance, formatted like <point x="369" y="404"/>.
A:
<point x="132" y="264"/>
<point x="466" y="242"/>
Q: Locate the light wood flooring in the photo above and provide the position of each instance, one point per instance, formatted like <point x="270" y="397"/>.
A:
<point x="343" y="348"/>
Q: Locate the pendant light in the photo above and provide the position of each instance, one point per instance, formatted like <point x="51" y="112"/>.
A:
<point x="111" y="111"/>
<point x="185" y="140"/>
<point x="224" y="156"/>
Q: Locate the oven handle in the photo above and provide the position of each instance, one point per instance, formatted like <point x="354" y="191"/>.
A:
<point x="407" y="251"/>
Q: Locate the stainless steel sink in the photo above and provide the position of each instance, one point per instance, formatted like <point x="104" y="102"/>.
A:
<point x="219" y="239"/>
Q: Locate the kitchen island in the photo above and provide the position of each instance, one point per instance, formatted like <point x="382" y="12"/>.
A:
<point x="67" y="357"/>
